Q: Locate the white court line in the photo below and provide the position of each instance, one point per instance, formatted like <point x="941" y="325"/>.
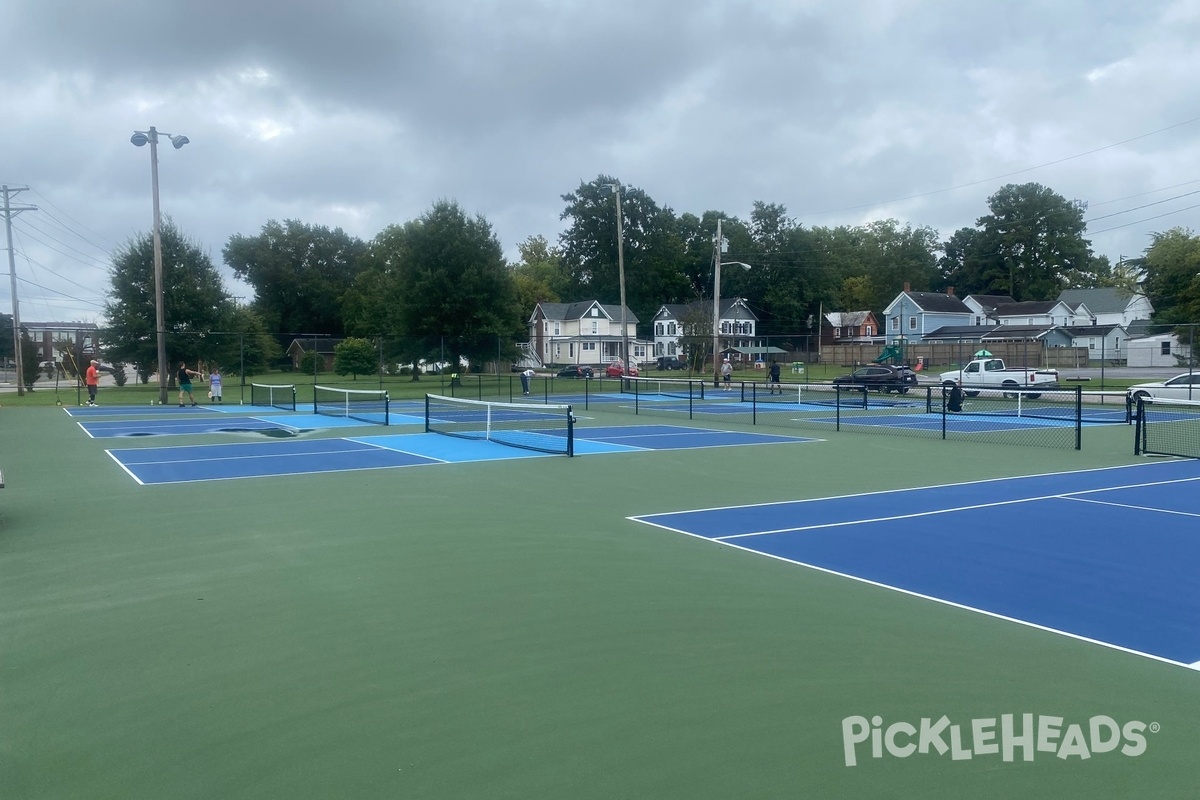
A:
<point x="933" y="512"/>
<point x="1131" y="506"/>
<point x="1003" y="479"/>
<point x="938" y="600"/>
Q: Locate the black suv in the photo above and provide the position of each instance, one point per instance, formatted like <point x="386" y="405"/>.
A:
<point x="881" y="378"/>
<point x="670" y="362"/>
<point x="575" y="371"/>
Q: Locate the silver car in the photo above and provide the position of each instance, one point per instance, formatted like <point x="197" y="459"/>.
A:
<point x="1181" y="387"/>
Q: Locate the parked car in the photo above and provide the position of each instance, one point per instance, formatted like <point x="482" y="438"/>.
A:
<point x="881" y="378"/>
<point x="1181" y="387"/>
<point x="575" y="371"/>
<point x="616" y="369"/>
<point x="670" y="362"/>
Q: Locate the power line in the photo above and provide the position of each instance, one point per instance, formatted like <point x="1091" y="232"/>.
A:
<point x="1007" y="174"/>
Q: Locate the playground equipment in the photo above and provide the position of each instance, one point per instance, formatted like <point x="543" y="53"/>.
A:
<point x="893" y="353"/>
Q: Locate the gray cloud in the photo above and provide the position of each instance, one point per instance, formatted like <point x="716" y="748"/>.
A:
<point x="363" y="116"/>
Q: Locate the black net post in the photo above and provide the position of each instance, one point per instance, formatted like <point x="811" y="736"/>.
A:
<point x="1078" y="417"/>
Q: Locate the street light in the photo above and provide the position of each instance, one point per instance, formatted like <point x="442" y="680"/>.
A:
<point x="616" y="190"/>
<point x="139" y="139"/>
<point x="717" y="302"/>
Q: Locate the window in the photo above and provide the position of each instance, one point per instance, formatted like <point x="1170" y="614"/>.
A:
<point x="588" y="346"/>
<point x="1166" y="348"/>
<point x="869" y="331"/>
<point x="895" y="323"/>
<point x="557" y="329"/>
<point x="671" y="349"/>
<point x="595" y="311"/>
<point x="671" y="329"/>
<point x="571" y="350"/>
<point x="557" y="350"/>
<point x="658" y="329"/>
<point x="912" y="323"/>
<point x="837" y="333"/>
<point x="595" y="328"/>
<point x="978" y="320"/>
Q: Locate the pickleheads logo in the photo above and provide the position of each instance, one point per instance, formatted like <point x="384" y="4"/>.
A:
<point x="1006" y="736"/>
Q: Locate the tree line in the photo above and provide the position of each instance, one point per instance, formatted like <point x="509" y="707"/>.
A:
<point x="440" y="284"/>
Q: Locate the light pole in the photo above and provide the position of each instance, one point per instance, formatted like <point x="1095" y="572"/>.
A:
<point x="717" y="264"/>
<point x="139" y="139"/>
<point x="616" y="190"/>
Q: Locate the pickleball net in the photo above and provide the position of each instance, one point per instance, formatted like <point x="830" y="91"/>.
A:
<point x="543" y="428"/>
<point x="1167" y="427"/>
<point x="365" y="405"/>
<point x="273" y="396"/>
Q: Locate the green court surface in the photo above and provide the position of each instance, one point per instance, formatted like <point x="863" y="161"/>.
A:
<point x="501" y="629"/>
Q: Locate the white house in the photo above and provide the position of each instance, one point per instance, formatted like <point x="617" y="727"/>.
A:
<point x="1109" y="305"/>
<point x="1159" y="350"/>
<point x="587" y="332"/>
<point x="737" y="323"/>
<point x="1039" y="312"/>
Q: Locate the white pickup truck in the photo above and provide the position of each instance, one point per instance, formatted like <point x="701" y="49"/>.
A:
<point x="990" y="373"/>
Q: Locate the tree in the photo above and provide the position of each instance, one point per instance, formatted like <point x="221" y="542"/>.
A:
<point x="652" y="246"/>
<point x="354" y="356"/>
<point x="194" y="300"/>
<point x="299" y="273"/>
<point x="1038" y="236"/>
<point x="1172" y="266"/>
<point x="439" y="281"/>
<point x="539" y="276"/>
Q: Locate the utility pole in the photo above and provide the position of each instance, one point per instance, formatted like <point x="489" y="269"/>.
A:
<point x="9" y="211"/>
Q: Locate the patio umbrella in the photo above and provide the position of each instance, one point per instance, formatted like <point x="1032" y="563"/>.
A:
<point x="983" y="354"/>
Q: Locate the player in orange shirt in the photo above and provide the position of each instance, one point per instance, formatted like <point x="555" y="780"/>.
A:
<point x="92" y="379"/>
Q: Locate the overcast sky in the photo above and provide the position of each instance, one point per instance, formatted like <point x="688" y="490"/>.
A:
<point x="363" y="114"/>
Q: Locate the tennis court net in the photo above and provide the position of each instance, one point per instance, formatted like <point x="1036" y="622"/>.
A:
<point x="281" y="397"/>
<point x="674" y="388"/>
<point x="807" y="394"/>
<point x="1167" y="427"/>
<point x="1063" y="405"/>
<point x="365" y="405"/>
<point x="544" y="428"/>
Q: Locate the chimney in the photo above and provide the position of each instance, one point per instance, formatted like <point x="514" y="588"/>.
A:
<point x="950" y="291"/>
<point x="907" y="287"/>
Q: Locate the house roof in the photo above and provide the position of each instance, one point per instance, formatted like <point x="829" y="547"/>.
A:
<point x="324" y="344"/>
<point x="848" y="319"/>
<point x="1025" y="308"/>
<point x="678" y="310"/>
<point x="1018" y="332"/>
<point x="1103" y="300"/>
<point x="1091" y="330"/>
<point x="935" y="301"/>
<point x="960" y="332"/>
<point x="579" y="310"/>
<point x="991" y="300"/>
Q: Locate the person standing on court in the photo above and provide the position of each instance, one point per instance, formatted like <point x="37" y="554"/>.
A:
<point x="727" y="373"/>
<point x="774" y="374"/>
<point x="92" y="379"/>
<point x="525" y="376"/>
<point x="214" y="385"/>
<point x="955" y="401"/>
<point x="185" y="383"/>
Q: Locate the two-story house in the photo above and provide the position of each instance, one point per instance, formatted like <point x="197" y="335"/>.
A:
<point x="850" y="327"/>
<point x="911" y="316"/>
<point x="676" y="320"/>
<point x="587" y="332"/>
